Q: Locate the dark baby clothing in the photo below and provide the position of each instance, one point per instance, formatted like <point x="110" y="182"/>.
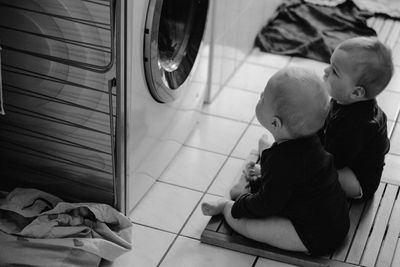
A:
<point x="299" y="182"/>
<point x="356" y="136"/>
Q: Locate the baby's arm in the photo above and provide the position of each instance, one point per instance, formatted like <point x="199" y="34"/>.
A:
<point x="249" y="176"/>
<point x="252" y="170"/>
<point x="263" y="143"/>
<point x="349" y="183"/>
<point x="240" y="187"/>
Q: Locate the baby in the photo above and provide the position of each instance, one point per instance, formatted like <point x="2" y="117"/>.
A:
<point x="355" y="131"/>
<point x="298" y="204"/>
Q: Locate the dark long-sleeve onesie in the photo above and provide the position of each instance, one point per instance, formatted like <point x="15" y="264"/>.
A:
<point x="299" y="182"/>
<point x="356" y="136"/>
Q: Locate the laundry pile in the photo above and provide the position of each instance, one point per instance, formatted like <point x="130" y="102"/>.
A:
<point x="299" y="28"/>
<point x="390" y="8"/>
<point x="39" y="229"/>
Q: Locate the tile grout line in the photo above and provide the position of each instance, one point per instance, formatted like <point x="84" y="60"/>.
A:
<point x="395" y="124"/>
<point x="249" y="124"/>
<point x="255" y="261"/>
<point x="269" y="66"/>
<point x="165" y="169"/>
<point x="228" y="118"/>
<point x="189" y="216"/>
<point x="227" y="156"/>
<point x="222" y="85"/>
<point x="154" y="228"/>
<point x="202" y="197"/>
<point x="392" y="133"/>
<point x="182" y="186"/>
<point x="237" y="88"/>
<point x="215" y="152"/>
<point x="156" y="180"/>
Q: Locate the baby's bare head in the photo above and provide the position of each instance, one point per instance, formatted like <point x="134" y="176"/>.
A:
<point x="299" y="98"/>
<point x="371" y="63"/>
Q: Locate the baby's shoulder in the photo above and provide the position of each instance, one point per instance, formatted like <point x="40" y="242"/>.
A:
<point x="287" y="155"/>
<point x="358" y="123"/>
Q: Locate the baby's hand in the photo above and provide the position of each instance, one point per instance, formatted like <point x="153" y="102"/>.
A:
<point x="252" y="171"/>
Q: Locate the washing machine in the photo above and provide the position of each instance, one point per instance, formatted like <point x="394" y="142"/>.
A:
<point x="167" y="67"/>
<point x="99" y="95"/>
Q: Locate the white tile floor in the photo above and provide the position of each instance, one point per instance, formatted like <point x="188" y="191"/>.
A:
<point x="168" y="222"/>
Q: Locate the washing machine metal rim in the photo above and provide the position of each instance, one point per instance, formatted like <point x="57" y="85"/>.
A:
<point x="165" y="75"/>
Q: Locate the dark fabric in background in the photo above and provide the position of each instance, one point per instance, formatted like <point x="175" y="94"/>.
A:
<point x="312" y="31"/>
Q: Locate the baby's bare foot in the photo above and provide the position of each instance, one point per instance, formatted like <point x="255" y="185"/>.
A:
<point x="213" y="208"/>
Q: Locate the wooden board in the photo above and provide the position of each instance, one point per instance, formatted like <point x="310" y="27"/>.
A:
<point x="355" y="215"/>
<point x="239" y="243"/>
<point x="382" y="218"/>
<point x="388" y="248"/>
<point x="371" y="241"/>
<point x="364" y="227"/>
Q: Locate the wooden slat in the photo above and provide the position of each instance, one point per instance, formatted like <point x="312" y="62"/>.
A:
<point x="370" y="218"/>
<point x="363" y="230"/>
<point x="375" y="240"/>
<point x="385" y="30"/>
<point x="214" y="223"/>
<point x="225" y="228"/>
<point x="389" y="244"/>
<point x="394" y="35"/>
<point x="355" y="215"/>
<point x="244" y="245"/>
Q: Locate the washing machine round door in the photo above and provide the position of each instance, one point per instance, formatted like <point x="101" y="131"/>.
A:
<point x="173" y="34"/>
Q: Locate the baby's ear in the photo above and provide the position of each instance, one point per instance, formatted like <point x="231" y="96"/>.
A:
<point x="276" y="122"/>
<point x="358" y="92"/>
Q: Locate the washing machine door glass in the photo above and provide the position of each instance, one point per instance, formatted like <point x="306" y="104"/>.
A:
<point x="173" y="34"/>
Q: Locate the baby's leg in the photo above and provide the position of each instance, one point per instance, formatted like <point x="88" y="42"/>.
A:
<point x="275" y="231"/>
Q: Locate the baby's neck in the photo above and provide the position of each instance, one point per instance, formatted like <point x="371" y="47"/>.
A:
<point x="282" y="138"/>
<point x="351" y="101"/>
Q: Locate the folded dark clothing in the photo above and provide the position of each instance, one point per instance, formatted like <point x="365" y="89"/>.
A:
<point x="312" y="31"/>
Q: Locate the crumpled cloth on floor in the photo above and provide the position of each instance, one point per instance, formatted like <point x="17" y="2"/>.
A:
<point x="326" y="2"/>
<point x="312" y="31"/>
<point x="38" y="229"/>
<point x="390" y="8"/>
